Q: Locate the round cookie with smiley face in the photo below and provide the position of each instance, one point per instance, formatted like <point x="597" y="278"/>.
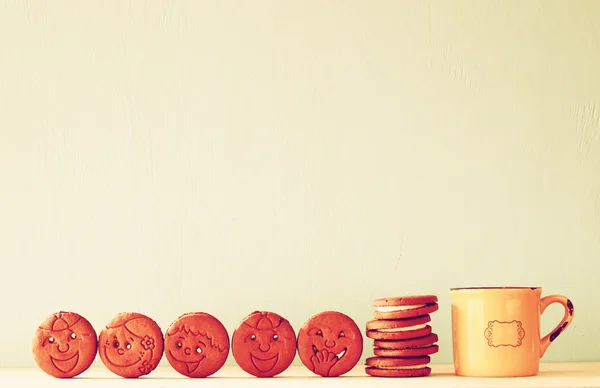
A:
<point x="65" y="345"/>
<point x="197" y="345"/>
<point x="264" y="344"/>
<point x="131" y="345"/>
<point x="330" y="344"/>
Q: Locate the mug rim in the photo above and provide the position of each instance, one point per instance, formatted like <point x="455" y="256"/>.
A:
<point x="494" y="288"/>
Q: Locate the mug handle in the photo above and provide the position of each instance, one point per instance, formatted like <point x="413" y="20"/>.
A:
<point x="564" y="323"/>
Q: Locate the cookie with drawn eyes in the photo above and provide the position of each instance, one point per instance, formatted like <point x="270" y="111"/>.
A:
<point x="330" y="344"/>
<point x="264" y="344"/>
<point x="64" y="345"/>
<point x="197" y="344"/>
<point x="131" y="345"/>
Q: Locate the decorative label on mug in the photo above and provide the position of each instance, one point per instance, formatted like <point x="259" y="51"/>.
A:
<point x="502" y="333"/>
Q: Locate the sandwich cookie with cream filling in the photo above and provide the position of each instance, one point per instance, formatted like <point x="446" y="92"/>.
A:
<point x="419" y="342"/>
<point x="398" y="329"/>
<point x="398" y="367"/>
<point x="408" y="352"/>
<point x="404" y="306"/>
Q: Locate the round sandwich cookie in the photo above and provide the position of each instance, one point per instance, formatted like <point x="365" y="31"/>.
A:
<point x="398" y="367"/>
<point x="196" y="344"/>
<point x="330" y="344"/>
<point x="404" y="306"/>
<point x="399" y="329"/>
<point x="410" y="352"/>
<point x="64" y="345"/>
<point x="407" y="344"/>
<point x="131" y="345"/>
<point x="264" y="344"/>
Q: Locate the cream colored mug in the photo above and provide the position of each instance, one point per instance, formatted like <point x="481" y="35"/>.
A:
<point x="496" y="330"/>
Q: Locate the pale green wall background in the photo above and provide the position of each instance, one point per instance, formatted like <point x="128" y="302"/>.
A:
<point x="296" y="156"/>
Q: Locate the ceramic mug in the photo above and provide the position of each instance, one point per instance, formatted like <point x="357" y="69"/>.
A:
<point x="496" y="330"/>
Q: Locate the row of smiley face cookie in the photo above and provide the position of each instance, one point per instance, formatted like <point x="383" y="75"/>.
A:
<point x="197" y="344"/>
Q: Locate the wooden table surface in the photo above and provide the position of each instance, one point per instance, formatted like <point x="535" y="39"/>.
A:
<point x="551" y="375"/>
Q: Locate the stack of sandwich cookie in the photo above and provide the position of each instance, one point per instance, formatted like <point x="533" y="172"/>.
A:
<point x="403" y="338"/>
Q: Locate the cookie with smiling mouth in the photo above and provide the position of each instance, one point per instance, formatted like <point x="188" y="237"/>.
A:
<point x="196" y="344"/>
<point x="131" y="345"/>
<point x="65" y="345"/>
<point x="338" y="355"/>
<point x="264" y="365"/>
<point x="330" y="344"/>
<point x="264" y="344"/>
<point x="187" y="368"/>
<point x="65" y="366"/>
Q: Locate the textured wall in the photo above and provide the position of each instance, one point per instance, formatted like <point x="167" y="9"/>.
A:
<point x="226" y="156"/>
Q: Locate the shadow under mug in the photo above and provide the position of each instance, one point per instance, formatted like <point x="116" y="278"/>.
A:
<point x="496" y="330"/>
